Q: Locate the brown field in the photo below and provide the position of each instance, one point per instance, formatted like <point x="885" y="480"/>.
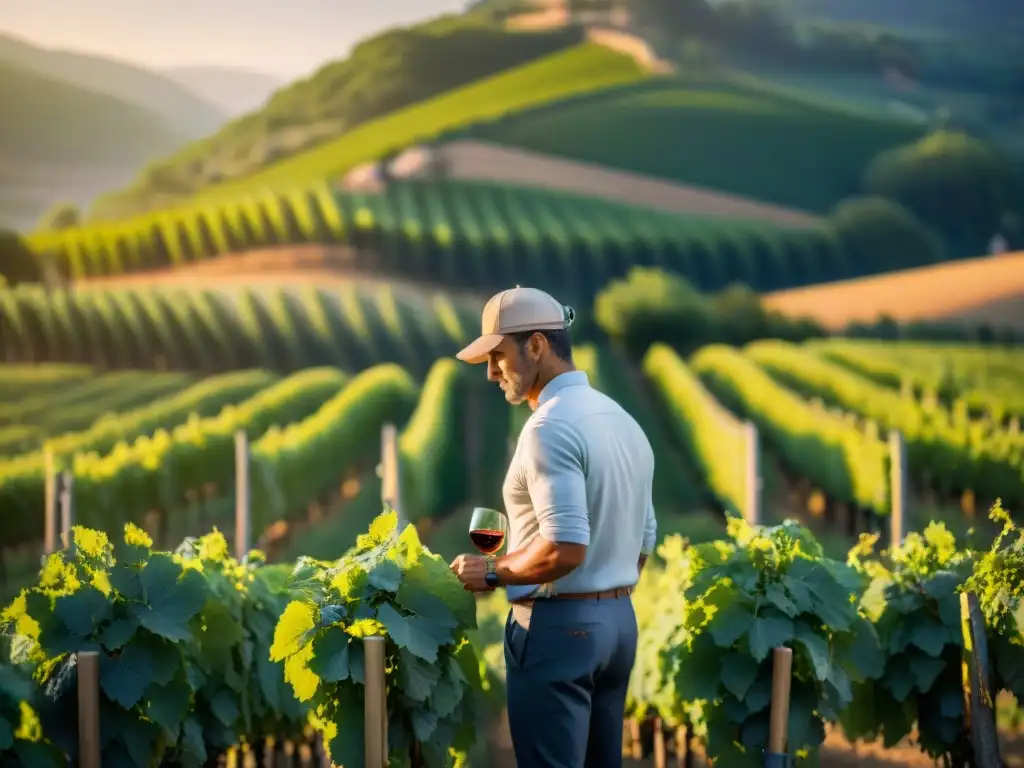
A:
<point x="985" y="290"/>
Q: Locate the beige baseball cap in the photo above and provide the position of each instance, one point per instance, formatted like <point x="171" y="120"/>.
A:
<point x="512" y="311"/>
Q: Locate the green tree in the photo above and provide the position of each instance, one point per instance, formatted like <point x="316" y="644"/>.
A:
<point x="17" y="262"/>
<point x="879" y="235"/>
<point x="956" y="184"/>
<point x="61" y="216"/>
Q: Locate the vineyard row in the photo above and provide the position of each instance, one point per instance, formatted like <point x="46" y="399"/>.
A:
<point x="277" y="329"/>
<point x="475" y="235"/>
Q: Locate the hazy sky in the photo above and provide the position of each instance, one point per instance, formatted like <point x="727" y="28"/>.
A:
<point x="287" y="37"/>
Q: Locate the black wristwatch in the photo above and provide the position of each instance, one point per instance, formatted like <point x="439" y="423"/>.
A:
<point x="491" y="577"/>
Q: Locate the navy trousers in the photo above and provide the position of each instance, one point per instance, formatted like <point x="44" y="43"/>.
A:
<point x="566" y="680"/>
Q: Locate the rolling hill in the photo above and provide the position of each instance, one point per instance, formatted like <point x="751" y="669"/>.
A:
<point x="591" y="104"/>
<point x="186" y="114"/>
<point x="727" y="132"/>
<point x="383" y="74"/>
<point x="59" y="141"/>
<point x="233" y="91"/>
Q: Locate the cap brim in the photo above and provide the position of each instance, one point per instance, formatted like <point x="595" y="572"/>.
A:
<point x="477" y="351"/>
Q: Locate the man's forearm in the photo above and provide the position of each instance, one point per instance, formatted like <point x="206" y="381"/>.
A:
<point x="641" y="563"/>
<point x="540" y="563"/>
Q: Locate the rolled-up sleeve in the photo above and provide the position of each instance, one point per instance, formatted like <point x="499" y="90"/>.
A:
<point x="650" y="531"/>
<point x="553" y="459"/>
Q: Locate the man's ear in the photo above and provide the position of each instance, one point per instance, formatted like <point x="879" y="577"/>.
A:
<point x="537" y="342"/>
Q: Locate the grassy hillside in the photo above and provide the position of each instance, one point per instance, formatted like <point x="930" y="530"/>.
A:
<point x="726" y="133"/>
<point x="52" y="121"/>
<point x="384" y="73"/>
<point x="186" y="113"/>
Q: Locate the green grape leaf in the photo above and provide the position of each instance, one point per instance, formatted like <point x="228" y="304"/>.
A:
<point x="738" y="673"/>
<point x="428" y="575"/>
<point x="124" y="678"/>
<point x="731" y="619"/>
<point x="224" y="708"/>
<point x="769" y="631"/>
<point x="413" y="633"/>
<point x="925" y="670"/>
<point x="346" y="745"/>
<point x="816" y="647"/>
<point x="898" y="677"/>
<point x="192" y="746"/>
<point x="385" y="576"/>
<point x="759" y="696"/>
<point x="418" y="677"/>
<point x="6" y="735"/>
<point x="861" y="646"/>
<point x="776" y="594"/>
<point x="82" y="611"/>
<point x="831" y="601"/>
<point x="119" y="632"/>
<point x="330" y="656"/>
<point x="168" y="705"/>
<point x="424" y="721"/>
<point x="941" y="584"/>
<point x="219" y="633"/>
<point x="447" y="694"/>
<point x="928" y="635"/>
<point x="173" y="598"/>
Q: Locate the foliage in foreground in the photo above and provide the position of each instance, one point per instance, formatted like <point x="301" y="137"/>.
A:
<point x="765" y="588"/>
<point x="392" y="586"/>
<point x="180" y="637"/>
<point x="876" y="642"/>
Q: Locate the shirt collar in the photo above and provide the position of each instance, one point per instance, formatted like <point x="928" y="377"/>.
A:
<point x="560" y="382"/>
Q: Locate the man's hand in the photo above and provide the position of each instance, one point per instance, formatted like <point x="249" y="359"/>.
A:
<point x="471" y="570"/>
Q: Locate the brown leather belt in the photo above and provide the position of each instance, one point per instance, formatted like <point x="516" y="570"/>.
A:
<point x="608" y="594"/>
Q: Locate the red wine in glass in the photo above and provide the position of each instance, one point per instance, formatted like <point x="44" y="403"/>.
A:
<point x="488" y="542"/>
<point x="487" y="530"/>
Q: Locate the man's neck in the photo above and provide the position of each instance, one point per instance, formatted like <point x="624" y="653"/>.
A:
<point x="545" y="379"/>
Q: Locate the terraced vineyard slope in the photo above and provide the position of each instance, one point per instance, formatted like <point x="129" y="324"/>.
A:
<point x="282" y="328"/>
<point x="474" y="235"/>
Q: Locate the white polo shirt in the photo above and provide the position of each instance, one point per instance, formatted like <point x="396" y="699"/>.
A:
<point x="582" y="473"/>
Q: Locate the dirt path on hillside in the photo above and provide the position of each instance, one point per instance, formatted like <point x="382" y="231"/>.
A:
<point x="483" y="161"/>
<point x="986" y="290"/>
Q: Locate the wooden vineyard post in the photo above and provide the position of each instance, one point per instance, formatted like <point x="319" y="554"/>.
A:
<point x="752" y="475"/>
<point x="66" y="497"/>
<point x="375" y="714"/>
<point x="778" y="726"/>
<point x="897" y="488"/>
<point x="979" y="700"/>
<point x="52" y="520"/>
<point x="243" y="510"/>
<point x="660" y="753"/>
<point x="391" y="475"/>
<point x="89" y="709"/>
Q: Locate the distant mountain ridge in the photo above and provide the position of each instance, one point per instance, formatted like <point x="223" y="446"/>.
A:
<point x="186" y="113"/>
<point x="234" y="91"/>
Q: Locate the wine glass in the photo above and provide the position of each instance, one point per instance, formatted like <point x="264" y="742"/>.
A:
<point x="487" y="529"/>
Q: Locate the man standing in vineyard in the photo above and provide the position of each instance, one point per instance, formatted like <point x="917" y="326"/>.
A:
<point x="581" y="525"/>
